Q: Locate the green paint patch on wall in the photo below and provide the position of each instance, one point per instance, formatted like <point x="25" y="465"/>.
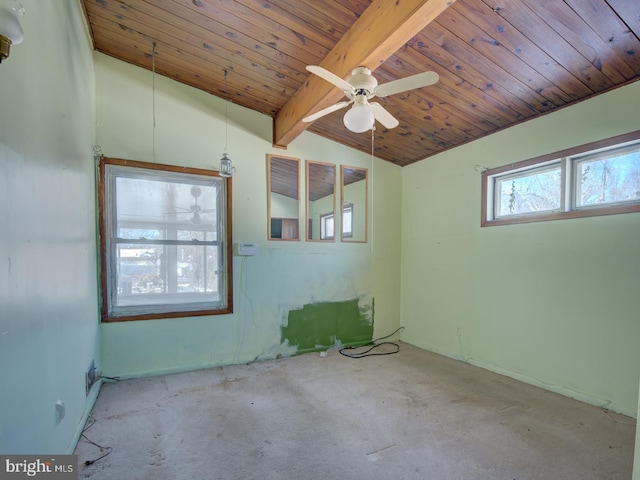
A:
<point x="319" y="326"/>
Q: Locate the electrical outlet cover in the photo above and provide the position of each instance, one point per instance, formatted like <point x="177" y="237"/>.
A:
<point x="90" y="376"/>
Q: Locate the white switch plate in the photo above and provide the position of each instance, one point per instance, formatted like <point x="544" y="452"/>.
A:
<point x="246" y="249"/>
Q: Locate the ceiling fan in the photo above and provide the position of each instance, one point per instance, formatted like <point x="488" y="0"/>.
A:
<point x="195" y="209"/>
<point x="359" y="89"/>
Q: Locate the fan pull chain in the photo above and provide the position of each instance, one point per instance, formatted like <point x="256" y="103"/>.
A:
<point x="373" y="129"/>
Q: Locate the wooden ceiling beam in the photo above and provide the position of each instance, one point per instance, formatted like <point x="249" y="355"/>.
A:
<point x="381" y="30"/>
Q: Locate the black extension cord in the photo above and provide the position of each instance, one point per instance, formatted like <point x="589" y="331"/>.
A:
<point x="372" y="346"/>
<point x="102" y="449"/>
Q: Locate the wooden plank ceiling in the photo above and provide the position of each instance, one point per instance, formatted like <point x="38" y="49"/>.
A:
<point x="500" y="62"/>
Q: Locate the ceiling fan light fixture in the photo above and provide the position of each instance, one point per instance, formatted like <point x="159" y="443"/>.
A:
<point x="196" y="220"/>
<point x="359" y="118"/>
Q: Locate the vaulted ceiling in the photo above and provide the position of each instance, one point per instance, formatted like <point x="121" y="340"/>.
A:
<point x="500" y="62"/>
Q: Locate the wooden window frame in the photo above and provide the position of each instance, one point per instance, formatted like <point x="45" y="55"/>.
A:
<point x="106" y="316"/>
<point x="489" y="174"/>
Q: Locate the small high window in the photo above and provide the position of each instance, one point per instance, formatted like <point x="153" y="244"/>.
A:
<point x="532" y="190"/>
<point x="602" y="178"/>
<point x="326" y="226"/>
<point x="165" y="234"/>
<point x="347" y="220"/>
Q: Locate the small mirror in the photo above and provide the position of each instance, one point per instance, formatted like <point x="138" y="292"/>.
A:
<point x="321" y="184"/>
<point x="283" y="180"/>
<point x="354" y="194"/>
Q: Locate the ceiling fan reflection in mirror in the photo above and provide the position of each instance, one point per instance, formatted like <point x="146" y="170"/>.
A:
<point x="359" y="89"/>
<point x="195" y="210"/>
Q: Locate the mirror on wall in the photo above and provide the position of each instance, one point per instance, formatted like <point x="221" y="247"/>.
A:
<point x="283" y="204"/>
<point x="354" y="194"/>
<point x="320" y="205"/>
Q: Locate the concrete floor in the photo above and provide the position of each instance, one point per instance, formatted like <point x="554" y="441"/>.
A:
<point x="413" y="415"/>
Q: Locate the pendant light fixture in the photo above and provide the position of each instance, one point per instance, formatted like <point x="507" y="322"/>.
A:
<point x="226" y="167"/>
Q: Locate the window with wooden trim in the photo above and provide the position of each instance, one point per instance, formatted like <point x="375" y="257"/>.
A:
<point x="165" y="236"/>
<point x="601" y="178"/>
<point x="347" y="220"/>
<point x="327" y="223"/>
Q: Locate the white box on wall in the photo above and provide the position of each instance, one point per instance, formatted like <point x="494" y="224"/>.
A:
<point x="245" y="249"/>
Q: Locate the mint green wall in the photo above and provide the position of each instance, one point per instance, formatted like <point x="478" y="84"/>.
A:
<point x="285" y="276"/>
<point x="48" y="296"/>
<point x="284" y="207"/>
<point x="636" y="457"/>
<point x="356" y="195"/>
<point x="554" y="303"/>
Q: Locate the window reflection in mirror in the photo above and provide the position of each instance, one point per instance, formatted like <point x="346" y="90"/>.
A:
<point x="354" y="194"/>
<point x="283" y="180"/>
<point x="320" y="205"/>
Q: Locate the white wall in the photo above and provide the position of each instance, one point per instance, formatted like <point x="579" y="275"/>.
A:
<point x="190" y="130"/>
<point x="48" y="295"/>
<point x="552" y="303"/>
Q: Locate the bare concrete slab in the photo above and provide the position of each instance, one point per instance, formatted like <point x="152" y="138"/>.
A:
<point x="412" y="415"/>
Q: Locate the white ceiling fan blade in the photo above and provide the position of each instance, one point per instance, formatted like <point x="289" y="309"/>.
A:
<point x="409" y="83"/>
<point x="384" y="117"/>
<point x="326" y="111"/>
<point x="343" y="85"/>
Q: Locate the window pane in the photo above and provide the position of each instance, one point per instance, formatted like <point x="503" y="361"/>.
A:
<point x="529" y="192"/>
<point x="329" y="228"/>
<point x="612" y="179"/>
<point x="347" y="220"/>
<point x="155" y="203"/>
<point x="197" y="268"/>
<point x="139" y="270"/>
<point x="138" y="233"/>
<point x="167" y="275"/>
<point x="326" y="226"/>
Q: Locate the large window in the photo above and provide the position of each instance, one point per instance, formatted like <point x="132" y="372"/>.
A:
<point x="601" y="178"/>
<point x="164" y="236"/>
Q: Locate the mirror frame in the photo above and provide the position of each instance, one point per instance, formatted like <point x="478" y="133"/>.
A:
<point x="309" y="231"/>
<point x="344" y="201"/>
<point x="271" y="158"/>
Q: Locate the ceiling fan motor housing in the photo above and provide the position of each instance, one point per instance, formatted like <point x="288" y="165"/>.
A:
<point x="361" y="79"/>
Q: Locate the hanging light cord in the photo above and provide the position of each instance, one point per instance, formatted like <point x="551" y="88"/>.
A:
<point x="153" y="94"/>
<point x="226" y="116"/>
